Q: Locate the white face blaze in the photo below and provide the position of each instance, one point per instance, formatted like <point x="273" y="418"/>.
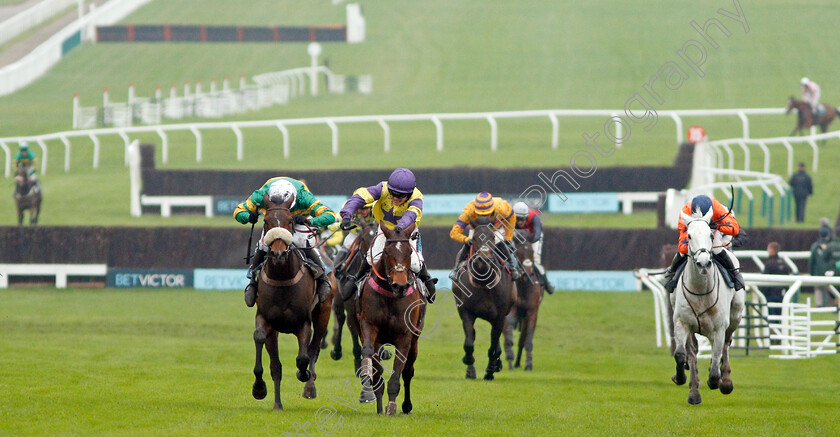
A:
<point x="699" y="238"/>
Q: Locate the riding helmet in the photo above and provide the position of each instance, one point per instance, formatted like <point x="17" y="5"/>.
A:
<point x="701" y="203"/>
<point x="402" y="181"/>
<point x="521" y="209"/>
<point x="281" y="191"/>
<point x="484" y="203"/>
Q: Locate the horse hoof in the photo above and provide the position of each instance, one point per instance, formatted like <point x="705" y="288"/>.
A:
<point x="529" y="367"/>
<point x="679" y="378"/>
<point x="259" y="391"/>
<point x="303" y="376"/>
<point x="278" y="407"/>
<point x="324" y="344"/>
<point x="385" y="355"/>
<point x="694" y="400"/>
<point x="726" y="387"/>
<point x="309" y="391"/>
<point x="470" y="372"/>
<point x="335" y="355"/>
<point x="498" y="365"/>
<point x="391" y="409"/>
<point x="510" y="365"/>
<point x="489" y="377"/>
<point x="367" y="397"/>
<point x="407" y="407"/>
<point x="713" y="383"/>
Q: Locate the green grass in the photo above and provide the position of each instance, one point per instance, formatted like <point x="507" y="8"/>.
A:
<point x="179" y="362"/>
<point x="439" y="56"/>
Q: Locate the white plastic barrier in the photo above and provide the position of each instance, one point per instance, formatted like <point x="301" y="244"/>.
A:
<point x="60" y="271"/>
<point x="32" y="17"/>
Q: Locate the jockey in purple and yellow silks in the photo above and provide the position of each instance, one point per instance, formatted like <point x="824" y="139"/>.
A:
<point x="304" y="205"/>
<point x="397" y="205"/>
<point x="723" y="221"/>
<point x="504" y="222"/>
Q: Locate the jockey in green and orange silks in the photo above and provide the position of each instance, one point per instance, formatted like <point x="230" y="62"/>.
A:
<point x="303" y="205"/>
<point x="722" y="221"/>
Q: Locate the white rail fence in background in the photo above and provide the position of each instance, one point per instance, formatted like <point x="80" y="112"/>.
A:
<point x="799" y="332"/>
<point x="32" y="17"/>
<point x="333" y="122"/>
<point x="276" y="88"/>
<point x="725" y="158"/>
<point x="23" y="72"/>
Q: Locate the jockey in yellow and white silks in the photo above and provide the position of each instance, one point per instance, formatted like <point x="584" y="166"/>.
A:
<point x="397" y="204"/>
<point x="303" y="205"/>
<point x="503" y="220"/>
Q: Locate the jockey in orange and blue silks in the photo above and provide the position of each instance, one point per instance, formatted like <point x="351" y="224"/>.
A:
<point x="528" y="220"/>
<point x="303" y="206"/>
<point x="397" y="204"/>
<point x="722" y="221"/>
<point x="811" y="95"/>
<point x="504" y="222"/>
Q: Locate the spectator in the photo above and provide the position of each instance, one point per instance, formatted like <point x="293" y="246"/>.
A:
<point x="800" y="182"/>
<point x="774" y="266"/>
<point x="825" y="252"/>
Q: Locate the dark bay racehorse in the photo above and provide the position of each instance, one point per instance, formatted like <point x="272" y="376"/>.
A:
<point x="348" y="309"/>
<point x="287" y="303"/>
<point x="806" y="116"/>
<point x="391" y="313"/>
<point x="484" y="289"/>
<point x="524" y="313"/>
<point x="26" y="196"/>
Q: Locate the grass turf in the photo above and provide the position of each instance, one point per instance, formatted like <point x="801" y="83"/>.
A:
<point x="179" y="362"/>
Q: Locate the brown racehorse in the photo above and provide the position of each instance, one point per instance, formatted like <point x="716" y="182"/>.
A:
<point x="348" y="310"/>
<point x="26" y="197"/>
<point x="524" y="313"/>
<point x="806" y="116"/>
<point x="484" y="289"/>
<point x="391" y="314"/>
<point x="287" y="303"/>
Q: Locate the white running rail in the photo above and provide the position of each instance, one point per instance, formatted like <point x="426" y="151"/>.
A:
<point x="32" y="17"/>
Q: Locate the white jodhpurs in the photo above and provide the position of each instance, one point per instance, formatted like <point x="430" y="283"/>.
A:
<point x="537" y="248"/>
<point x="349" y="239"/>
<point x="375" y="253"/>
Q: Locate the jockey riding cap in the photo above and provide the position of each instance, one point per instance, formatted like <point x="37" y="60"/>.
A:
<point x="701" y="204"/>
<point x="484" y="203"/>
<point x="804" y="81"/>
<point x="521" y="210"/>
<point x="401" y="181"/>
<point x="281" y="191"/>
<point x="24" y="145"/>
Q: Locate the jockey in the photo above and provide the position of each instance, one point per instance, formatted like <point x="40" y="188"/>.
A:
<point x="722" y="221"/>
<point x="304" y="204"/>
<point x="397" y="203"/>
<point x="345" y="239"/>
<point x="504" y="222"/>
<point x="26" y="158"/>
<point x="528" y="220"/>
<point x="811" y="96"/>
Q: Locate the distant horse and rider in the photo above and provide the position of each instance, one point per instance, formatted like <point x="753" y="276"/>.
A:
<point x="287" y="303"/>
<point x="27" y="195"/>
<point x="524" y="313"/>
<point x="806" y="117"/>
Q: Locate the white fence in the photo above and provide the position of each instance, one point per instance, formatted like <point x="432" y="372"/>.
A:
<point x="32" y="17"/>
<point x="23" y="72"/>
<point x="725" y="158"/>
<point x="333" y="122"/>
<point x="796" y="333"/>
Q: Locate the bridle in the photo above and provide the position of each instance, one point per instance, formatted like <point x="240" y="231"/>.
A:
<point x="693" y="255"/>
<point x="396" y="267"/>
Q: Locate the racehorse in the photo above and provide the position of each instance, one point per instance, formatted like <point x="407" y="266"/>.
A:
<point x="391" y="313"/>
<point x="27" y="196"/>
<point x="287" y="303"/>
<point x="806" y="116"/>
<point x="348" y="309"/>
<point x="704" y="304"/>
<point x="524" y="313"/>
<point x="484" y="289"/>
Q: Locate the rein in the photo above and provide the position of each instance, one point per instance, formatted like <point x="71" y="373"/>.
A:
<point x="717" y="297"/>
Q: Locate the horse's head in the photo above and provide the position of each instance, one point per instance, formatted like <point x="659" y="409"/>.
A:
<point x="366" y="234"/>
<point x="277" y="227"/>
<point x="699" y="234"/>
<point x="525" y="253"/>
<point x="483" y="237"/>
<point x="790" y="105"/>
<point x="396" y="259"/>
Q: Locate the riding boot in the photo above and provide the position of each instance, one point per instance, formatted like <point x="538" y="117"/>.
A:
<point x="511" y="260"/>
<point x="253" y="275"/>
<point x="671" y="279"/>
<point x="463" y="254"/>
<point x="351" y="286"/>
<point x="321" y="278"/>
<point x="724" y="259"/>
<point x="545" y="282"/>
<point x="429" y="282"/>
